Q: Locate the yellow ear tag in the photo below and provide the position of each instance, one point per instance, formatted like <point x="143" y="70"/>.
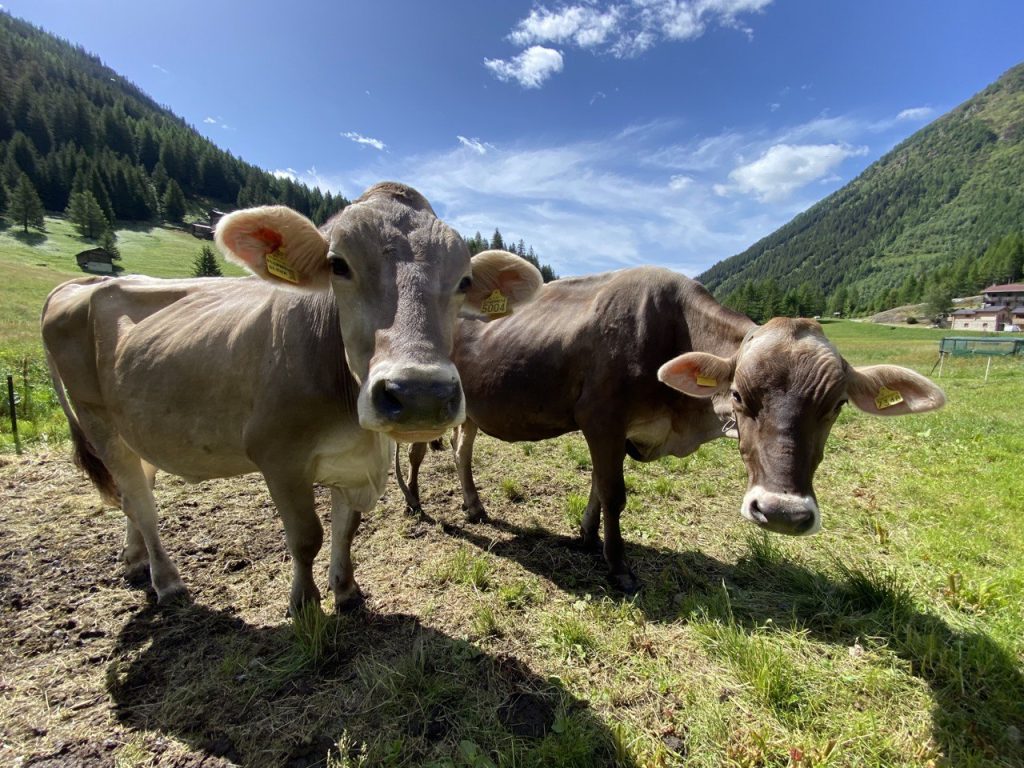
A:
<point x="887" y="398"/>
<point x="706" y="381"/>
<point x="279" y="267"/>
<point x="495" y="304"/>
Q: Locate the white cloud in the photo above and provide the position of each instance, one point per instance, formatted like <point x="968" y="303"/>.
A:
<point x="157" y="67"/>
<point x="210" y="120"/>
<point x="774" y="106"/>
<point x="474" y="144"/>
<point x="598" y="96"/>
<point x="365" y="140"/>
<point x="915" y="113"/>
<point x="680" y="182"/>
<point x="784" y="168"/>
<point x="530" y="68"/>
<point x="584" y="26"/>
<point x="287" y="173"/>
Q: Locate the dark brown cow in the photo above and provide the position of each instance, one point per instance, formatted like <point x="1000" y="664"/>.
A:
<point x="590" y="354"/>
<point x="306" y="376"/>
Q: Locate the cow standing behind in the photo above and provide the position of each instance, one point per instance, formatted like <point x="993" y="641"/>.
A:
<point x="591" y="354"/>
<point x="306" y="376"/>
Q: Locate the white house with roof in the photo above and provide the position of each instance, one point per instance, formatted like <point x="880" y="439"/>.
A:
<point x="1009" y="294"/>
<point x="981" y="319"/>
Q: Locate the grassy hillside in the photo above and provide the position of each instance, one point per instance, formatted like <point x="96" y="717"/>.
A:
<point x="33" y="264"/>
<point x="949" y="191"/>
<point x="895" y="637"/>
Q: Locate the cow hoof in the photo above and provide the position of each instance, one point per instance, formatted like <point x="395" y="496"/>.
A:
<point x="475" y="513"/>
<point x="591" y="543"/>
<point x="137" y="574"/>
<point x="626" y="583"/>
<point x="414" y="510"/>
<point x="351" y="603"/>
<point x="174" y="597"/>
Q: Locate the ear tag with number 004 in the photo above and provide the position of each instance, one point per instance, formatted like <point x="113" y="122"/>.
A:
<point x="887" y="398"/>
<point x="279" y="267"/>
<point x="495" y="304"/>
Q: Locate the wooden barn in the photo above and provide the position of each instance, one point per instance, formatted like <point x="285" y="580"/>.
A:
<point x="204" y="229"/>
<point x="96" y="261"/>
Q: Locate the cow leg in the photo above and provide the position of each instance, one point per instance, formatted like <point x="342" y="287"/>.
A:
<point x="303" y="532"/>
<point x="345" y="519"/>
<point x="589" y="536"/>
<point x="136" y="485"/>
<point x="417" y="451"/>
<point x="607" y="456"/>
<point x="134" y="554"/>
<point x="462" y="443"/>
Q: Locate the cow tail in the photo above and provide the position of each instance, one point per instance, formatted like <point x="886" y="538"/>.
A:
<point x="86" y="457"/>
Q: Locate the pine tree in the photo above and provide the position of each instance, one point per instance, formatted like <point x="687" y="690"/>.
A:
<point x="497" y="243"/>
<point x="108" y="242"/>
<point x="205" y="264"/>
<point x="3" y="197"/>
<point x="86" y="215"/>
<point x="26" y="208"/>
<point x="174" y="202"/>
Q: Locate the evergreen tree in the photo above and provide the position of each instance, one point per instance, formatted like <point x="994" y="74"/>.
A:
<point x="108" y="242"/>
<point x="497" y="243"/>
<point x="86" y="215"/>
<point x="174" y="202"/>
<point x="3" y="197"/>
<point x="205" y="264"/>
<point x="938" y="298"/>
<point x="26" y="208"/>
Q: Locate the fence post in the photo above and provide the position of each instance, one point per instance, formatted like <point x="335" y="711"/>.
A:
<point x="14" y="413"/>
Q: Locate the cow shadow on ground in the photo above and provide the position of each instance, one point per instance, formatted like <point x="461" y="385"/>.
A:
<point x="367" y="686"/>
<point x="977" y="684"/>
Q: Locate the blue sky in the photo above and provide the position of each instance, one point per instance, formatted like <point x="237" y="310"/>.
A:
<point x="605" y="133"/>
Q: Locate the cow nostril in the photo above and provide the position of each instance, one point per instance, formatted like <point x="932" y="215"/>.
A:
<point x="803" y="522"/>
<point x="386" y="400"/>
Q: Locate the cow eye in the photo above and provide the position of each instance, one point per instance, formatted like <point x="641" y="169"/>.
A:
<point x="736" y="398"/>
<point x="341" y="268"/>
<point x="464" y="284"/>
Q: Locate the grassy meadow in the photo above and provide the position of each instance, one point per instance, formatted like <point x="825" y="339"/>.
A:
<point x="895" y="637"/>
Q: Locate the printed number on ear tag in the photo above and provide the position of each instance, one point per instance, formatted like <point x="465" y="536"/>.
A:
<point x="706" y="381"/>
<point x="887" y="398"/>
<point x="495" y="304"/>
<point x="279" y="268"/>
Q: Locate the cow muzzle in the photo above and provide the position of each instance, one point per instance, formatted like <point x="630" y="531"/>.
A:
<point x="786" y="513"/>
<point x="412" y="403"/>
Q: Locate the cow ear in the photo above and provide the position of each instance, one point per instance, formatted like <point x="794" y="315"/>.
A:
<point x="890" y="390"/>
<point x="513" y="277"/>
<point x="698" y="374"/>
<point x="276" y="243"/>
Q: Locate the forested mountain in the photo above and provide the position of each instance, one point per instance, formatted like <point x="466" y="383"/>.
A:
<point x="71" y="124"/>
<point x="939" y="214"/>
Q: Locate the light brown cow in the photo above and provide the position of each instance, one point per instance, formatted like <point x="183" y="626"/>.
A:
<point x="306" y="375"/>
<point x="590" y="354"/>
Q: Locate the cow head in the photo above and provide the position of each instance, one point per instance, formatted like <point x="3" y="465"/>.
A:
<point x="399" y="277"/>
<point x="786" y="385"/>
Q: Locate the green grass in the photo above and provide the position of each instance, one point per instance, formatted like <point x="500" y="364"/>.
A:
<point x="894" y="637"/>
<point x="32" y="266"/>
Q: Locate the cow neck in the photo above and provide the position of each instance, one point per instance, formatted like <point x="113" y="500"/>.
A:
<point x="714" y="328"/>
<point x="327" y="344"/>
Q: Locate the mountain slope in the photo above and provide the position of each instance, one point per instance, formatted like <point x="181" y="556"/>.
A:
<point x="70" y="124"/>
<point x="947" y="192"/>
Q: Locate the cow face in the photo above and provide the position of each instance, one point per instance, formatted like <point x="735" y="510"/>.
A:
<point x="786" y="386"/>
<point x="399" y="277"/>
